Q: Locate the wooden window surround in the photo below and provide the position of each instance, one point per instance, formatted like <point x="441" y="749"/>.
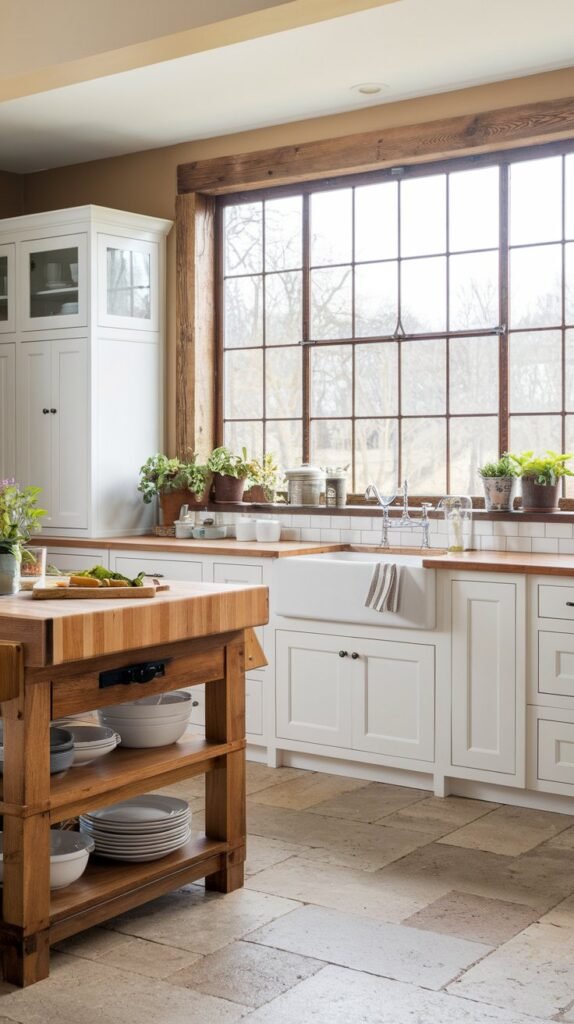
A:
<point x="198" y="414"/>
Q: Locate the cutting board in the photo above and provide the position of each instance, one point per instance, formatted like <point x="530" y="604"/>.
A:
<point x="94" y="593"/>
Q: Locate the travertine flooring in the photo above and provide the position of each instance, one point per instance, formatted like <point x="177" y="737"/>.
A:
<point x="363" y="904"/>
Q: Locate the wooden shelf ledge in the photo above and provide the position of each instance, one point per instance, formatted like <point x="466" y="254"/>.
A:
<point x="108" y="888"/>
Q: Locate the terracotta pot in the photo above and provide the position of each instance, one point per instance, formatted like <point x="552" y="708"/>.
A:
<point x="539" y="497"/>
<point x="171" y="502"/>
<point x="499" y="493"/>
<point x="228" y="488"/>
<point x="256" y="494"/>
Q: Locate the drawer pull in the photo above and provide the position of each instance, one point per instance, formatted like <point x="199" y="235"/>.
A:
<point x="142" y="673"/>
<point x="195" y="703"/>
<point x="158" y="575"/>
<point x="570" y="604"/>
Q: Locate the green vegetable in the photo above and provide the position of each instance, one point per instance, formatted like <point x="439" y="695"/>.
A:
<point x="100" y="573"/>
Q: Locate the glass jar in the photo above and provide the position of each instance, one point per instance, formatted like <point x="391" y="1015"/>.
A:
<point x="457" y="510"/>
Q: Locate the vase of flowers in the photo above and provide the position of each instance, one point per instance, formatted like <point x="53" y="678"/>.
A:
<point x="19" y="519"/>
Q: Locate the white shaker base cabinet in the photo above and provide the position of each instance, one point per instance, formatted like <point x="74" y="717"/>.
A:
<point x="53" y="434"/>
<point x="7" y="411"/>
<point x="365" y="695"/>
<point x="484" y="690"/>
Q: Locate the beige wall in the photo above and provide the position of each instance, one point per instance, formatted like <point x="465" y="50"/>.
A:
<point x="146" y="182"/>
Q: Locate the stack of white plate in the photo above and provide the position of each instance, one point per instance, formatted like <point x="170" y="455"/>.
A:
<point x="144" y="828"/>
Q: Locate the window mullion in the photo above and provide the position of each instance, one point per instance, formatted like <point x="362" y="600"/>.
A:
<point x="503" y="382"/>
<point x="306" y="354"/>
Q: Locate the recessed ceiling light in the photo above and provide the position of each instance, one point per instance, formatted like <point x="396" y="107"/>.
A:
<point x="369" y="88"/>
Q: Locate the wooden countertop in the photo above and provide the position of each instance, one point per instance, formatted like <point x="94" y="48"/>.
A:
<point x="55" y="632"/>
<point x="241" y="549"/>
<point x="504" y="561"/>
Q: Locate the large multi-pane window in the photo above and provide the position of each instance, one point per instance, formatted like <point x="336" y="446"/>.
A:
<point x="410" y="323"/>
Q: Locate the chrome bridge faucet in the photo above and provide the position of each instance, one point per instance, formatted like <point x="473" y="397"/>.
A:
<point x="406" y="521"/>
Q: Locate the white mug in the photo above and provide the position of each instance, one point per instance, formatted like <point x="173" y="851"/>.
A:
<point x="245" y="529"/>
<point x="268" y="530"/>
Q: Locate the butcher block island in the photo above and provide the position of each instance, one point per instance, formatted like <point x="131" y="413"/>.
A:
<point x="65" y="658"/>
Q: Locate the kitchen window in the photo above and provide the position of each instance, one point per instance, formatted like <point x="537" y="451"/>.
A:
<point x="408" y="323"/>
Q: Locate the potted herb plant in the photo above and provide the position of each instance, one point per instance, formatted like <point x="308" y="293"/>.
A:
<point x="499" y="481"/>
<point x="540" y="478"/>
<point x="264" y="479"/>
<point x="19" y="519"/>
<point x="175" y="483"/>
<point x="230" y="473"/>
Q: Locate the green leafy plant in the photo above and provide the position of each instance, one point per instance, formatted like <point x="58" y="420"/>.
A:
<point x="545" y="470"/>
<point x="223" y="461"/>
<point x="19" y="515"/>
<point x="159" y="475"/>
<point x="504" y="466"/>
<point x="265" y="473"/>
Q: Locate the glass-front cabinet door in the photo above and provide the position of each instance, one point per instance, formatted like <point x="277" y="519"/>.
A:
<point x="7" y="289"/>
<point x="128" y="283"/>
<point x="53" y="276"/>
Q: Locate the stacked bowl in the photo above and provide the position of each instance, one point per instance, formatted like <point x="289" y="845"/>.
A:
<point x="61" y="749"/>
<point x="150" y="721"/>
<point x="69" y="855"/>
<point x="144" y="828"/>
<point x="91" y="741"/>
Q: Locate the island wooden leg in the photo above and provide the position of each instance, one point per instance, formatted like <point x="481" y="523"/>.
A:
<point x="225" y="816"/>
<point x="26" y="887"/>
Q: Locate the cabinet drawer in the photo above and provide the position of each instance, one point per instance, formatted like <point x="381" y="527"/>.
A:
<point x="67" y="560"/>
<point x="556" y="751"/>
<point x="171" y="569"/>
<point x="556" y="663"/>
<point x="253" y="706"/>
<point x="224" y="572"/>
<point x="555" y="602"/>
<point x="183" y="669"/>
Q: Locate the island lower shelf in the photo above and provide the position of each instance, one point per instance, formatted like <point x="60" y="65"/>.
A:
<point x="108" y="888"/>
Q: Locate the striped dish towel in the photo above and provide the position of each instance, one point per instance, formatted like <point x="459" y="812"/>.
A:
<point x="383" y="594"/>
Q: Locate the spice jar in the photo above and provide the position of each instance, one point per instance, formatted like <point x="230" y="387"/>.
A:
<point x="336" y="487"/>
<point x="457" y="510"/>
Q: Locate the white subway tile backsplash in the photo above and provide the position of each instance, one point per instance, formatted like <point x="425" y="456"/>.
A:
<point x="321" y="522"/>
<point x="370" y="537"/>
<point x="366" y="522"/>
<point x="341" y="523"/>
<point x="303" y="522"/>
<point x="493" y="543"/>
<point x="566" y="547"/>
<point x="501" y="529"/>
<point x="350" y="536"/>
<point x="519" y="543"/>
<point x="547" y="546"/>
<point x="290" y="533"/>
<point x="482" y="528"/>
<point x="563" y="531"/>
<point x="531" y="530"/>
<point x="331" y="536"/>
<point x="308" y="534"/>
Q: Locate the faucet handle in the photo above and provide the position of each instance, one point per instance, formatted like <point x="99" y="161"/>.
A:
<point x="426" y="507"/>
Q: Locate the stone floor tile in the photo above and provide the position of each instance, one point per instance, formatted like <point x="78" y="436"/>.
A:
<point x="361" y="943"/>
<point x="436" y="816"/>
<point x="562" y="914"/>
<point x="563" y="841"/>
<point x="263" y="853"/>
<point x="332" y="840"/>
<point x="535" y="879"/>
<point x="533" y="973"/>
<point x="201" y="921"/>
<point x="369" y="803"/>
<point x="509" y="830"/>
<point x="336" y="995"/>
<point x="94" y="993"/>
<point x="259" y="776"/>
<point x="246" y="973"/>
<point x="93" y="944"/>
<point x="328" y="885"/>
<point x="151" y="959"/>
<point x="473" y="917"/>
<point x="298" y="794"/>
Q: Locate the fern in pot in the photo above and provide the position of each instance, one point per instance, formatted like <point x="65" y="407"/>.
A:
<point x="540" y="477"/>
<point x="499" y="480"/>
<point x="19" y="519"/>
<point x="174" y="483"/>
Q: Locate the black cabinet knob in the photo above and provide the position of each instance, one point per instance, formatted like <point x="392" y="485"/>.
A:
<point x="354" y="655"/>
<point x="53" y="410"/>
<point x="45" y="411"/>
<point x="343" y="654"/>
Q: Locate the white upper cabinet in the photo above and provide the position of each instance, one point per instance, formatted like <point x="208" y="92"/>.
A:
<point x="7" y="411"/>
<point x="128" y="283"/>
<point x="7" y="289"/>
<point x="53" y="282"/>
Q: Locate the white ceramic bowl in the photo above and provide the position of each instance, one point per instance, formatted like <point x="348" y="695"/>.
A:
<point x="175" y="704"/>
<point x="92" y="742"/>
<point x="69" y="855"/>
<point x="136" y="733"/>
<point x="268" y="530"/>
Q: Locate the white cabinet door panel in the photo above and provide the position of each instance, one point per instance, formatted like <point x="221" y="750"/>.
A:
<point x="253" y="706"/>
<point x="131" y="565"/>
<point x="34" y="433"/>
<point x="556" y="751"/>
<point x="7" y="411"/>
<point x="67" y="560"/>
<point x="555" y="601"/>
<point x="70" y="425"/>
<point x="393" y="698"/>
<point x="556" y="663"/>
<point x="313" y="689"/>
<point x="484" y="675"/>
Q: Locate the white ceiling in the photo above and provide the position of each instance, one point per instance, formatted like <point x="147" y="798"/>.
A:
<point x="416" y="47"/>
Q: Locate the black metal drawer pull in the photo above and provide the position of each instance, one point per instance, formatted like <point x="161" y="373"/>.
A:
<point x="142" y="673"/>
<point x="570" y="604"/>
